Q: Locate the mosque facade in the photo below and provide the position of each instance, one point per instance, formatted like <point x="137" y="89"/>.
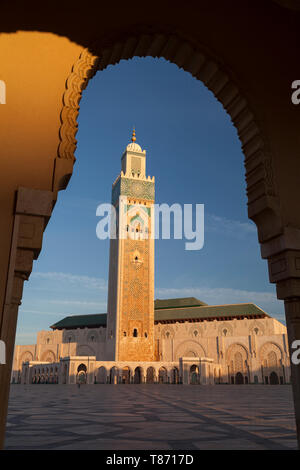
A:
<point x="142" y="340"/>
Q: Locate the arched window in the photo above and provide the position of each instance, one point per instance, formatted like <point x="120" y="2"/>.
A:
<point x="135" y="333"/>
<point x="195" y="333"/>
<point x="146" y="335"/>
<point x="225" y="332"/>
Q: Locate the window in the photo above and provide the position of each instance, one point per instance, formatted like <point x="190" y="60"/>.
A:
<point x="135" y="333"/>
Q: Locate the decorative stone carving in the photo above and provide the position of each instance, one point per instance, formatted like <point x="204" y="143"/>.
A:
<point x="167" y="332"/>
<point x="25" y="357"/>
<point x="189" y="345"/>
<point x="196" y="331"/>
<point x="267" y="348"/>
<point x="257" y="328"/>
<point x="48" y="356"/>
<point x="236" y="348"/>
<point x="225" y="329"/>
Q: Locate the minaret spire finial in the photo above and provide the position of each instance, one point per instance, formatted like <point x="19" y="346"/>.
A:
<point x="133" y="138"/>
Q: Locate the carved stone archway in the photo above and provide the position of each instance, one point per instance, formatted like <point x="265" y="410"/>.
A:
<point x="204" y="66"/>
<point x="280" y="245"/>
<point x="48" y="356"/>
<point x="190" y="348"/>
<point x="27" y="356"/>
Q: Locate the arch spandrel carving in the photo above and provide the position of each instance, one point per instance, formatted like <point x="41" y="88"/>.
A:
<point x="167" y="332"/>
<point x="269" y="347"/>
<point x="189" y="345"/>
<point x="26" y="356"/>
<point x="234" y="349"/>
<point x="48" y="356"/>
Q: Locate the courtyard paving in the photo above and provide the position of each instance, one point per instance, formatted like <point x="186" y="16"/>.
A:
<point x="151" y="417"/>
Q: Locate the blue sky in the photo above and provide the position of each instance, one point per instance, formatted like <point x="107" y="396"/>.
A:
<point x="195" y="155"/>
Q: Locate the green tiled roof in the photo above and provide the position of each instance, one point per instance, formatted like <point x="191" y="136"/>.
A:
<point x="188" y="308"/>
<point x="209" y="312"/>
<point x="81" y="321"/>
<point x="177" y="303"/>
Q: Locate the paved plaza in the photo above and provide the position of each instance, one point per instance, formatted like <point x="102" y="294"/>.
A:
<point x="161" y="417"/>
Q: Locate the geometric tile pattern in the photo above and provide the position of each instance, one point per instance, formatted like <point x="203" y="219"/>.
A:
<point x="151" y="417"/>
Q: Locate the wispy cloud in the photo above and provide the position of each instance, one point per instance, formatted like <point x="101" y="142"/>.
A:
<point x="41" y="312"/>
<point x="82" y="281"/>
<point x="222" y="225"/>
<point x="80" y="303"/>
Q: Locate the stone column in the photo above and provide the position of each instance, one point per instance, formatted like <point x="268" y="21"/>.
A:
<point x="32" y="212"/>
<point x="186" y="373"/>
<point x="203" y="373"/>
<point x="283" y="253"/>
<point x="292" y="313"/>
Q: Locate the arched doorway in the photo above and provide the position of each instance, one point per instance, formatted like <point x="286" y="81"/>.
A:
<point x="137" y="375"/>
<point x="113" y="375"/>
<point x="155" y="39"/>
<point x="239" y="379"/>
<point x="274" y="380"/>
<point x="150" y="376"/>
<point x="162" y="375"/>
<point x="101" y="375"/>
<point x="194" y="375"/>
<point x="126" y="375"/>
<point x="81" y="377"/>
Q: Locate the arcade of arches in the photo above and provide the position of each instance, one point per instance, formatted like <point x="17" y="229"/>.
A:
<point x="247" y="347"/>
<point x="244" y="52"/>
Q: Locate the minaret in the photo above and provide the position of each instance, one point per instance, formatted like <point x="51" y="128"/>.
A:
<point x="130" y="311"/>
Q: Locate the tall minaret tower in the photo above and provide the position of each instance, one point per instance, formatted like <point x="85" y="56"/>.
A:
<point x="130" y="311"/>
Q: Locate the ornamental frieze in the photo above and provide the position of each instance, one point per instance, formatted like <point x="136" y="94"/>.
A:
<point x="133" y="188"/>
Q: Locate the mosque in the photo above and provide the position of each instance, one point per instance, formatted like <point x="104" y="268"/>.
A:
<point x="142" y="340"/>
